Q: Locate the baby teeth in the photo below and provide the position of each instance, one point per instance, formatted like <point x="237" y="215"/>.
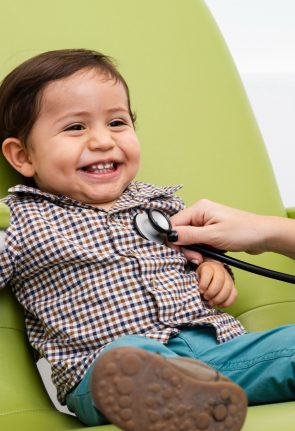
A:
<point x="101" y="167"/>
<point x="105" y="165"/>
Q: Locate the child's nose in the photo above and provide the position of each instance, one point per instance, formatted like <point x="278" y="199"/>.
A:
<point x="101" y="140"/>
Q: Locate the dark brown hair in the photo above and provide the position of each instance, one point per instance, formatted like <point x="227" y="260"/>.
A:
<point x="21" y="90"/>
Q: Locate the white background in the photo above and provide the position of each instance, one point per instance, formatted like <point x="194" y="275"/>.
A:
<point x="261" y="37"/>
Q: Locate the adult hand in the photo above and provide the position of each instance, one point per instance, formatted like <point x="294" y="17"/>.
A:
<point x="222" y="227"/>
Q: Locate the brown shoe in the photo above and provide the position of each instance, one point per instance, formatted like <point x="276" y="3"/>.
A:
<point x="141" y="391"/>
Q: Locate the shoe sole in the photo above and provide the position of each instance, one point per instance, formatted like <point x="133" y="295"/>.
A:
<point x="140" y="391"/>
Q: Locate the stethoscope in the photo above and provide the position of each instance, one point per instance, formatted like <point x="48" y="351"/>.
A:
<point x="155" y="226"/>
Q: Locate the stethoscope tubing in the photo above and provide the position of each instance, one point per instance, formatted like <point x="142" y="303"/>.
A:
<point x="255" y="269"/>
<point x="213" y="253"/>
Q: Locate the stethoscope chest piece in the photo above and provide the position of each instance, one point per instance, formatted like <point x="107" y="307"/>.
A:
<point x="152" y="225"/>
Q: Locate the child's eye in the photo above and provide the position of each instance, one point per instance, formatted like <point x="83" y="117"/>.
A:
<point x="76" y="126"/>
<point x="117" y="123"/>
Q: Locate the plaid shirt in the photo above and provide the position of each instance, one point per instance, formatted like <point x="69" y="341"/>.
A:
<point x="85" y="277"/>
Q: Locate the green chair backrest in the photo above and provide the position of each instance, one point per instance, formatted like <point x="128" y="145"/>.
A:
<point x="194" y="120"/>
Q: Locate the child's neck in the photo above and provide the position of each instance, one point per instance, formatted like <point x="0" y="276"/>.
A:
<point x="106" y="206"/>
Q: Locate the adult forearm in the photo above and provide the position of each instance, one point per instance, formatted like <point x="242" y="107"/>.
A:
<point x="280" y="235"/>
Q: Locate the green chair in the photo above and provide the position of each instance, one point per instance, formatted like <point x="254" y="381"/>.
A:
<point x="196" y="128"/>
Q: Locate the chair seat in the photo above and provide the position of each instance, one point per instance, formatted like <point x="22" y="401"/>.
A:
<point x="271" y="417"/>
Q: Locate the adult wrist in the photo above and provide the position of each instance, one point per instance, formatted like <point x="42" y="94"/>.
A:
<point x="280" y="235"/>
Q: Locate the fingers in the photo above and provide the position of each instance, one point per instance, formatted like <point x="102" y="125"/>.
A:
<point x="226" y="297"/>
<point x="206" y="276"/>
<point x="193" y="234"/>
<point x="231" y="299"/>
<point x="216" y="284"/>
<point x="195" y="224"/>
<point x="192" y="256"/>
<point x="184" y="217"/>
<point x="194" y="215"/>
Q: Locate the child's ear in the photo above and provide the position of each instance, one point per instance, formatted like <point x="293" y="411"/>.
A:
<point x="17" y="155"/>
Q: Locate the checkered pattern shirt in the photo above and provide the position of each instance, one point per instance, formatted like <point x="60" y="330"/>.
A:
<point x="85" y="277"/>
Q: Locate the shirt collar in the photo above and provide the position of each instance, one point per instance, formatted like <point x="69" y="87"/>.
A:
<point x="136" y="194"/>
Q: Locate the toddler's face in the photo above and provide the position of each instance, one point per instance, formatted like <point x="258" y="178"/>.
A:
<point x="83" y="144"/>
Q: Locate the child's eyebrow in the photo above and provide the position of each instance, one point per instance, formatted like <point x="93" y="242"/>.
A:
<point x="71" y="115"/>
<point x="118" y="109"/>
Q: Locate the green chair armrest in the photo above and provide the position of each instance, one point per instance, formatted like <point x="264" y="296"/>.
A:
<point x="4" y="216"/>
<point x="291" y="212"/>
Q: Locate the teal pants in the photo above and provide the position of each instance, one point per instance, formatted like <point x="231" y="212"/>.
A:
<point x="262" y="363"/>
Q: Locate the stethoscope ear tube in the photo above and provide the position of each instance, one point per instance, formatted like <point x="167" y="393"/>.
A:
<point x="209" y="252"/>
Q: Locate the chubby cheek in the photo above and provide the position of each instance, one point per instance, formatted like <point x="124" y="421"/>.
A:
<point x="55" y="171"/>
<point x="61" y="168"/>
<point x="135" y="156"/>
<point x="136" y="162"/>
<point x="65" y="161"/>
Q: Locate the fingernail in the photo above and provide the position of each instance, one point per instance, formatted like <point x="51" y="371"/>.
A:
<point x="172" y="236"/>
<point x="195" y="261"/>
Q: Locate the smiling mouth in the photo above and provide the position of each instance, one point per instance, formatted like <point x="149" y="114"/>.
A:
<point x="100" y="168"/>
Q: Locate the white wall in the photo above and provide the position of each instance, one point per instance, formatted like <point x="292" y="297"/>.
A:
<point x="261" y="37"/>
